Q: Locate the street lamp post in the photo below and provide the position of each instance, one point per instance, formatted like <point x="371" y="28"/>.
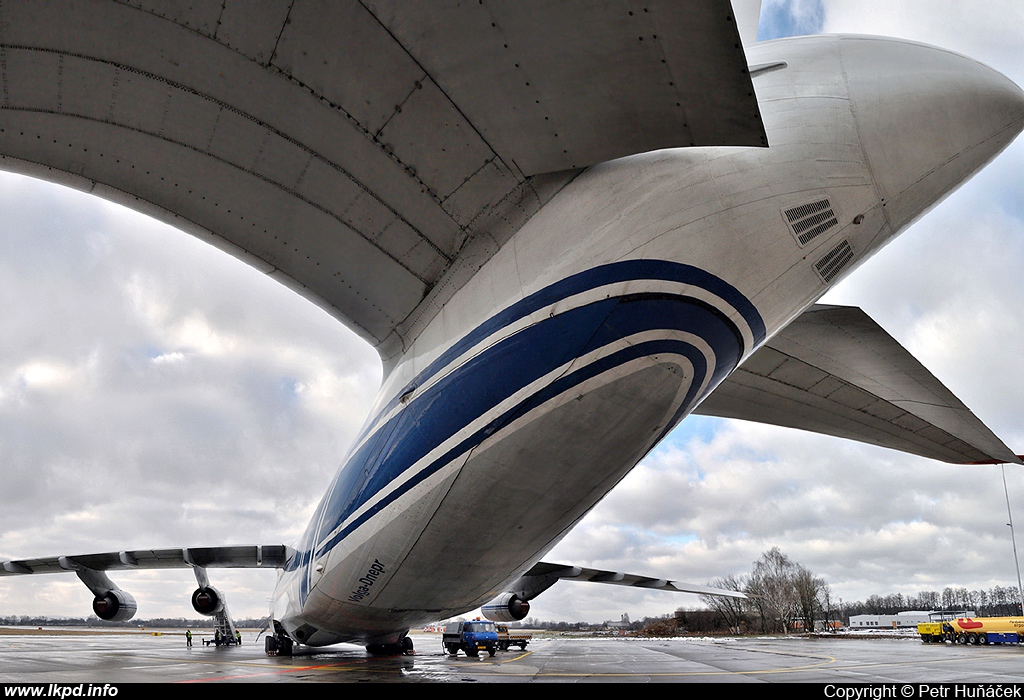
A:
<point x="1013" y="539"/>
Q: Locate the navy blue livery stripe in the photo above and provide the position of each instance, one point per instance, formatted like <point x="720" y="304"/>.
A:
<point x="485" y="381"/>
<point x="625" y="271"/>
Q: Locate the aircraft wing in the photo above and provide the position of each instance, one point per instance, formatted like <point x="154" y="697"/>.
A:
<point x="835" y="371"/>
<point x="544" y="574"/>
<point x="371" y="155"/>
<point x="234" y="556"/>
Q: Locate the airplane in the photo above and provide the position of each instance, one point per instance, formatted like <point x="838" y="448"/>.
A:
<point x="558" y="256"/>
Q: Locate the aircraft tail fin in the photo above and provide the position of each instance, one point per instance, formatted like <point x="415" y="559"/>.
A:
<point x="748" y="15"/>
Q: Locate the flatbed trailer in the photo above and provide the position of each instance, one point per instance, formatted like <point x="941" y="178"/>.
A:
<point x="510" y="638"/>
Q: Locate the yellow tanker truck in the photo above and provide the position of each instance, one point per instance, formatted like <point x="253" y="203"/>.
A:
<point x="973" y="630"/>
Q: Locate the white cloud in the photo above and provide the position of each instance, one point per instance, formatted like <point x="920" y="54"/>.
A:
<point x="156" y="392"/>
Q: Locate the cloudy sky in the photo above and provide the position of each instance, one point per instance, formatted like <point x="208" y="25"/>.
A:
<point x="156" y="393"/>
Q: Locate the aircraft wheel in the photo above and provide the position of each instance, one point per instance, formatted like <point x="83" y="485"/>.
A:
<point x="407" y="645"/>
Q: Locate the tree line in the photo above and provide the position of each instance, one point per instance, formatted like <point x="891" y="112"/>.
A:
<point x="93" y="621"/>
<point x="995" y="602"/>
<point x="784" y="596"/>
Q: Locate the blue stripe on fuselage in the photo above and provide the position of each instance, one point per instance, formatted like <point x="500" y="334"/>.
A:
<point x="478" y="386"/>
<point x="646" y="349"/>
<point x="624" y="271"/>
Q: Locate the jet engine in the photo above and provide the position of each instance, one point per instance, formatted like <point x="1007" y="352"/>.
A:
<point x="207" y="600"/>
<point x="114" y="606"/>
<point x="507" y="607"/>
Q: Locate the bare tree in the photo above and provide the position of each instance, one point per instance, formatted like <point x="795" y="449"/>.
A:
<point x="772" y="591"/>
<point x="732" y="610"/>
<point x="829" y="610"/>
<point x="929" y="600"/>
<point x="808" y="589"/>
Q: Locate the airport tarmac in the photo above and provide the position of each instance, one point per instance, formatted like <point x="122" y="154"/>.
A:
<point x="133" y="658"/>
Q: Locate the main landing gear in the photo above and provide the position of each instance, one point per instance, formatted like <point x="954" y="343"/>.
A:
<point x="403" y="647"/>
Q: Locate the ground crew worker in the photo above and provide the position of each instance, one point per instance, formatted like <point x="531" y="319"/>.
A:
<point x="188" y="637"/>
<point x="238" y="638"/>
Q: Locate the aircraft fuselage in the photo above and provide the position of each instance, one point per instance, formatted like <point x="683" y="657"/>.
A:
<point x="612" y="313"/>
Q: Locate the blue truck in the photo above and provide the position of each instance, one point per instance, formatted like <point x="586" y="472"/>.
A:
<point x="471" y="637"/>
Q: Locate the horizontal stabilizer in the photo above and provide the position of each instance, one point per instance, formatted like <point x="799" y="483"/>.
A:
<point x="835" y="371"/>
<point x="543" y="575"/>
<point x="233" y="557"/>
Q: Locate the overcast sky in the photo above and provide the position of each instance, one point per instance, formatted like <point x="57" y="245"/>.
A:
<point x="157" y="393"/>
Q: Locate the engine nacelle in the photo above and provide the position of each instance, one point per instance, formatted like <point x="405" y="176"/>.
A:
<point x="114" y="606"/>
<point x="207" y="601"/>
<point x="507" y="607"/>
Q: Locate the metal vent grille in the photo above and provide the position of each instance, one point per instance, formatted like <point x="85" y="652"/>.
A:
<point x="834" y="261"/>
<point x="809" y="221"/>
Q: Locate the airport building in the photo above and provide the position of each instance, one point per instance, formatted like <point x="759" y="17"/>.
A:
<point x="904" y="620"/>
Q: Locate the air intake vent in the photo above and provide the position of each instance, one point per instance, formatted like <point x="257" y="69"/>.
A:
<point x="836" y="259"/>
<point x="809" y="221"/>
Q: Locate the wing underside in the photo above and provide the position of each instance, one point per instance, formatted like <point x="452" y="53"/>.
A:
<point x="371" y="155"/>
<point x="544" y="574"/>
<point x="835" y="371"/>
<point x="274" y="556"/>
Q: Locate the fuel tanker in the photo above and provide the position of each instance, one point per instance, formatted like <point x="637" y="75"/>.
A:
<point x="973" y="630"/>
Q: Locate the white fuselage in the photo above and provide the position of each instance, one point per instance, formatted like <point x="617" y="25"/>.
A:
<point x="620" y="305"/>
